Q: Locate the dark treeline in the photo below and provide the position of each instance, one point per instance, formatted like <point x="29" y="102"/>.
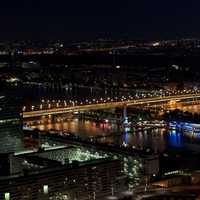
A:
<point x="181" y="116"/>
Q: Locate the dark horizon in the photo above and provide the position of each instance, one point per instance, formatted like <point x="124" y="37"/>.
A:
<point x="77" y="20"/>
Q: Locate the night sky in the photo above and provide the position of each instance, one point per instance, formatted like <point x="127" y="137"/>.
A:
<point x="79" y="20"/>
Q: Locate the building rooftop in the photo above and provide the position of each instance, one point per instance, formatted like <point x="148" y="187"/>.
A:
<point x="34" y="161"/>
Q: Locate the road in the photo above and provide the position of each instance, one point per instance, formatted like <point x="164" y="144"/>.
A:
<point x="108" y="105"/>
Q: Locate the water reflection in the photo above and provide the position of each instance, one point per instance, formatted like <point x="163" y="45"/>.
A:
<point x="107" y="132"/>
<point x="157" y="138"/>
<point x="175" y="138"/>
<point x="126" y="135"/>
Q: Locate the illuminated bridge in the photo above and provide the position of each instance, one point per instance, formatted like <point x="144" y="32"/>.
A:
<point x="110" y="105"/>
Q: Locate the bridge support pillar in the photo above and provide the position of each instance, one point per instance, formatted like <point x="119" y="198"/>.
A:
<point x="125" y="118"/>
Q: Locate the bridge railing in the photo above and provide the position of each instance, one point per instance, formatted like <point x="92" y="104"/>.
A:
<point x="108" y="104"/>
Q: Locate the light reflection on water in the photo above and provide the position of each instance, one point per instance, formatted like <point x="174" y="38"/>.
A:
<point x="108" y="132"/>
<point x="175" y="138"/>
<point x="159" y="139"/>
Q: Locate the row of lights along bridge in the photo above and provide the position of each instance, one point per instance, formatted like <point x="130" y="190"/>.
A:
<point x="49" y="104"/>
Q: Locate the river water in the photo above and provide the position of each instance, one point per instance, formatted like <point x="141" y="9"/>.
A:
<point x="158" y="139"/>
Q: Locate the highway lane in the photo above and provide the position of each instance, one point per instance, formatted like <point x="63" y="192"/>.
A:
<point x="108" y="105"/>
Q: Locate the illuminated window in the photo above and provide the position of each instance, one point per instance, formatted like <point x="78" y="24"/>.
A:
<point x="45" y="189"/>
<point x="7" y="196"/>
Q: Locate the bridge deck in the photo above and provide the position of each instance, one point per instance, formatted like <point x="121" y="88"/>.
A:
<point x="108" y="105"/>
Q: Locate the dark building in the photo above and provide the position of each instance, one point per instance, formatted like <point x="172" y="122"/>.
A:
<point x="174" y="196"/>
<point x="10" y="122"/>
<point x="10" y="111"/>
<point x="52" y="174"/>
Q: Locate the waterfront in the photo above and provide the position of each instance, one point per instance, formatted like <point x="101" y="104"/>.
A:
<point x="159" y="139"/>
<point x="106" y="132"/>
